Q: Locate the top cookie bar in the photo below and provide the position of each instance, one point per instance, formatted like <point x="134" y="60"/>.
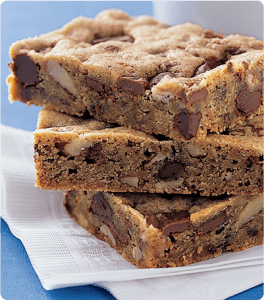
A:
<point x="170" y="81"/>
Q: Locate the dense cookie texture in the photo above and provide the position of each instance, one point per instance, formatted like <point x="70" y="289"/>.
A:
<point x="151" y="230"/>
<point x="173" y="81"/>
<point x="85" y="154"/>
<point x="253" y="127"/>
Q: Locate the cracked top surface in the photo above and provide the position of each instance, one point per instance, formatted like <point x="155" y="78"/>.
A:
<point x="140" y="47"/>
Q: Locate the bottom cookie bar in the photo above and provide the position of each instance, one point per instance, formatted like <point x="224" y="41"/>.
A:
<point x="161" y="230"/>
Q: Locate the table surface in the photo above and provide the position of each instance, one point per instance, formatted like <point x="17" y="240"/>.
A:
<point x="20" y="20"/>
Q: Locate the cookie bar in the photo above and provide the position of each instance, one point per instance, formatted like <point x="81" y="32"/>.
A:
<point x="157" y="230"/>
<point x="85" y="154"/>
<point x="172" y="81"/>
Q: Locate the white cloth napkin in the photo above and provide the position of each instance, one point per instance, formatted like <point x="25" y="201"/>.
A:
<point x="63" y="254"/>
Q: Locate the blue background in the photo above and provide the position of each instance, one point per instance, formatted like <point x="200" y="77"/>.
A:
<point x="20" y="20"/>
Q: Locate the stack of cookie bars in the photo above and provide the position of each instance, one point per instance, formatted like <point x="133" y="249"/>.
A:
<point x="154" y="132"/>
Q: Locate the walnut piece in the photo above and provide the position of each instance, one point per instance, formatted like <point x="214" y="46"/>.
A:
<point x="133" y="181"/>
<point x="194" y="152"/>
<point x="166" y="185"/>
<point x="252" y="208"/>
<point x="61" y="75"/>
<point x="106" y="231"/>
<point x="137" y="254"/>
<point x="75" y="147"/>
<point x="158" y="157"/>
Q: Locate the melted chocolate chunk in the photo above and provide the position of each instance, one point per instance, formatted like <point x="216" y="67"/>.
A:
<point x="171" y="222"/>
<point x="171" y="169"/>
<point x="177" y="227"/>
<point x="25" y="70"/>
<point x="187" y="123"/>
<point x="248" y="102"/>
<point x="94" y="85"/>
<point x="202" y="69"/>
<point x="252" y="232"/>
<point x="135" y="86"/>
<point x="213" y="223"/>
<point x="117" y="234"/>
<point x="156" y="79"/>
<point x="121" y="38"/>
<point x="233" y="50"/>
<point x="26" y="92"/>
<point x="197" y="96"/>
<point x="101" y="207"/>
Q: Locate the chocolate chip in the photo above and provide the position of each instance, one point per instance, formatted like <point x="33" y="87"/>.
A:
<point x="112" y="48"/>
<point x="135" y="86"/>
<point x="26" y="92"/>
<point x="156" y="79"/>
<point x="213" y="223"/>
<point x="252" y="232"/>
<point x="171" y="169"/>
<point x="117" y="234"/>
<point x="183" y="96"/>
<point x="25" y="70"/>
<point x="197" y="96"/>
<point x="170" y="222"/>
<point x="187" y="123"/>
<point x="248" y="102"/>
<point x="100" y="206"/>
<point x="233" y="50"/>
<point x="202" y="69"/>
<point x="177" y="226"/>
<point x="94" y="85"/>
<point x="121" y="38"/>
